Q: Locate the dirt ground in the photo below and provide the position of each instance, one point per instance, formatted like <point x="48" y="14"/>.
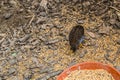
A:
<point x="34" y="41"/>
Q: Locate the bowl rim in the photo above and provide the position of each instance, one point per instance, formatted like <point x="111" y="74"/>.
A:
<point x="99" y="65"/>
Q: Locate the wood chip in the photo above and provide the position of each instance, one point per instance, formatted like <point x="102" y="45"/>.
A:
<point x="91" y="34"/>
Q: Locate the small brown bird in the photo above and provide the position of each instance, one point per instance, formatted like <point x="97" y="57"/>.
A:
<point x="76" y="37"/>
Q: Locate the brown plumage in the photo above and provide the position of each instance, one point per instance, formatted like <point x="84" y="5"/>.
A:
<point x="76" y="36"/>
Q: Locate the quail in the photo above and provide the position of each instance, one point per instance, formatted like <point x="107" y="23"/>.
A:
<point x="76" y="37"/>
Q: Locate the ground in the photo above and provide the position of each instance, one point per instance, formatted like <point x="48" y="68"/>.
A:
<point x="34" y="42"/>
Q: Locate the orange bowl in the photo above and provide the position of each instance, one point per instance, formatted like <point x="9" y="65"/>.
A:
<point x="90" y="66"/>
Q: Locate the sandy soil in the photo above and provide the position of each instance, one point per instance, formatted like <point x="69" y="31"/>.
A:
<point x="34" y="41"/>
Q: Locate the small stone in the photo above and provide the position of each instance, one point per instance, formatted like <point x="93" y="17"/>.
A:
<point x="11" y="71"/>
<point x="12" y="61"/>
<point x="7" y="15"/>
<point x="80" y="21"/>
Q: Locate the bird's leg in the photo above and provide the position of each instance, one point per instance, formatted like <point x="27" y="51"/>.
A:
<point x="81" y="44"/>
<point x="81" y="41"/>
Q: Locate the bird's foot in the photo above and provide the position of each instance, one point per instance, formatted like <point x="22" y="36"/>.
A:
<point x="81" y="46"/>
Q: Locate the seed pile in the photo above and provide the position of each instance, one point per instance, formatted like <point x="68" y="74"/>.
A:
<point x="99" y="74"/>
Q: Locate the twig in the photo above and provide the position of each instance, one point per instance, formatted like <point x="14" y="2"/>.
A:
<point x="2" y="35"/>
<point x="2" y="59"/>
<point x="1" y="40"/>
<point x="115" y="8"/>
<point x="45" y="70"/>
<point x="31" y="20"/>
<point x="26" y="37"/>
<point x="52" y="74"/>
